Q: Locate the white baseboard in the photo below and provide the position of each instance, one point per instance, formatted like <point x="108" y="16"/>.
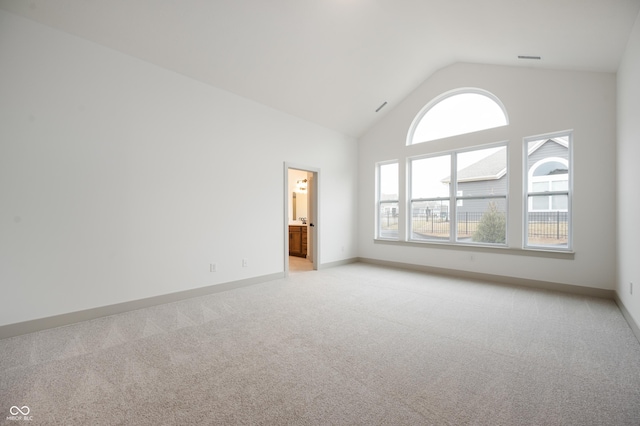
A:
<point x="501" y="279"/>
<point x="627" y="316"/>
<point x="11" y="330"/>
<point x="31" y="326"/>
<point x="565" y="288"/>
<point x="339" y="263"/>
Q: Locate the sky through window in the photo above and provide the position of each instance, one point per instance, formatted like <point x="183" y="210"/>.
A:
<point x="458" y="114"/>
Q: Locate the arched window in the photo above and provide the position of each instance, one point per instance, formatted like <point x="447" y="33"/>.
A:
<point x="549" y="175"/>
<point x="455" y="113"/>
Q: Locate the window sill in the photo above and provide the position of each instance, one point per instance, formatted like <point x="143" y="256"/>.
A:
<point x="541" y="252"/>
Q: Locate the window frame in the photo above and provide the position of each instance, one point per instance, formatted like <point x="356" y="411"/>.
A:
<point x="455" y="197"/>
<point x="411" y="200"/>
<point x="548" y="179"/>
<point x="435" y="101"/>
<point x="528" y="193"/>
<point x="380" y="202"/>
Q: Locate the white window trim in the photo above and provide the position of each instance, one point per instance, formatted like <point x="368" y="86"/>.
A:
<point x="527" y="191"/>
<point x="380" y="202"/>
<point x="454" y="197"/>
<point x="459" y="91"/>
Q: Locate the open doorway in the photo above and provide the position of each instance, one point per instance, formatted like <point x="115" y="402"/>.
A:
<point x="301" y="248"/>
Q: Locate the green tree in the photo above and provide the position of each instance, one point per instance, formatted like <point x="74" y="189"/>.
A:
<point x="492" y="227"/>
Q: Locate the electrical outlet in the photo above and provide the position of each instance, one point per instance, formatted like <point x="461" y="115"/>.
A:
<point x="212" y="267"/>
<point x="245" y="263"/>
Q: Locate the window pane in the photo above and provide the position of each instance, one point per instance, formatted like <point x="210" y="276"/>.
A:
<point x="482" y="172"/>
<point x="388" y="220"/>
<point x="540" y="202"/>
<point x="548" y="169"/>
<point x="560" y="185"/>
<point x="459" y="114"/>
<point x="430" y="177"/>
<point x="539" y="186"/>
<point x="548" y="158"/>
<point x="485" y="224"/>
<point x="550" y="228"/>
<point x="389" y="181"/>
<point x="560" y="202"/>
<point x="388" y="208"/>
<point x="430" y="220"/>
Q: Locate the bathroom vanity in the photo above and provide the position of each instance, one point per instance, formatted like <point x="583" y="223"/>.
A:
<point x="298" y="240"/>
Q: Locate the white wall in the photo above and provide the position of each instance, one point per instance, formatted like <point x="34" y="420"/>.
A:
<point x="120" y="180"/>
<point x="629" y="175"/>
<point x="537" y="101"/>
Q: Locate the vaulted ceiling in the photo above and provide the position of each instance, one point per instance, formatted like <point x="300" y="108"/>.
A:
<point x="334" y="62"/>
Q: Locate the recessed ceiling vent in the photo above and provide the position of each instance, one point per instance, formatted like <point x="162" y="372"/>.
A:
<point x="537" y="58"/>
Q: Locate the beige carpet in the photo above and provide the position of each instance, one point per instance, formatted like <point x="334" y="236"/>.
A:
<point x="355" y="344"/>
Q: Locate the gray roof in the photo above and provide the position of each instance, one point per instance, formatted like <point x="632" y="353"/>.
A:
<point x="489" y="168"/>
<point x="493" y="167"/>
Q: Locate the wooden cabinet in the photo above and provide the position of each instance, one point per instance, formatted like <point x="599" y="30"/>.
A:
<point x="297" y="240"/>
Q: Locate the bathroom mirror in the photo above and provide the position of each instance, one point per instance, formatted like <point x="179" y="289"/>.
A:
<point x="299" y="204"/>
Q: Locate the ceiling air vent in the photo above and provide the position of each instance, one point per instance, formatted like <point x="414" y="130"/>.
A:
<point x="381" y="106"/>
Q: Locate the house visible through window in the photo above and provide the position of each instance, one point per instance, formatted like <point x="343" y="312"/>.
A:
<point x="460" y="197"/>
<point x="548" y="183"/>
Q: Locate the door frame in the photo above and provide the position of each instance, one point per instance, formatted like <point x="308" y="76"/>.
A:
<point x="315" y="210"/>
